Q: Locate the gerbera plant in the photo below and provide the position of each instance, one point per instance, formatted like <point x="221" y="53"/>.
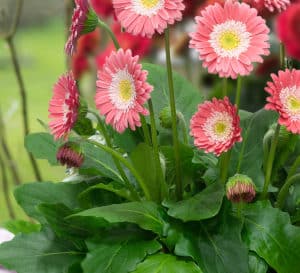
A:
<point x="159" y="178"/>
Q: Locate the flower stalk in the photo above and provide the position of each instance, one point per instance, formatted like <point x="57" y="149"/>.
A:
<point x="179" y="190"/>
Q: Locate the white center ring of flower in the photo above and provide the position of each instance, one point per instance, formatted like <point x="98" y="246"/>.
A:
<point x="290" y="98"/>
<point x="230" y="39"/>
<point x="218" y="128"/>
<point x="147" y="7"/>
<point x="122" y="90"/>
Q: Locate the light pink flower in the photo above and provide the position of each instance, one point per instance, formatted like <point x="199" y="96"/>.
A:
<point x="285" y="98"/>
<point x="122" y="90"/>
<point x="273" y="5"/>
<point x="63" y="107"/>
<point x="230" y="38"/>
<point x="216" y="126"/>
<point x="144" y="17"/>
<point x="78" y="19"/>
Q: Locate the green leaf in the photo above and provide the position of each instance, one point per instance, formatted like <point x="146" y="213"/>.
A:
<point x="250" y="149"/>
<point x="257" y="264"/>
<point x="99" y="161"/>
<point x="146" y="169"/>
<point x="84" y="127"/>
<point x="56" y="214"/>
<point x="146" y="214"/>
<point x="216" y="248"/>
<point x="117" y="257"/>
<point x="29" y="196"/>
<point x="269" y="233"/>
<point x="20" y="226"/>
<point x="114" y="187"/>
<point x="203" y="205"/>
<point x="37" y="253"/>
<point x="127" y="140"/>
<point x="164" y="263"/>
<point x="187" y="96"/>
<point x="42" y="146"/>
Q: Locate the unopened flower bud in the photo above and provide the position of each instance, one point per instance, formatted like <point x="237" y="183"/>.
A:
<point x="70" y="155"/>
<point x="240" y="188"/>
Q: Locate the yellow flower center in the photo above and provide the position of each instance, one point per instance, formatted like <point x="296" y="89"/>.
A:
<point x="220" y="128"/>
<point x="293" y="104"/>
<point x="126" y="91"/>
<point x="229" y="40"/>
<point x="149" y="4"/>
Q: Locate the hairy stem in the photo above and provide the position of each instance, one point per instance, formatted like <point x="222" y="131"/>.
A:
<point x="164" y="188"/>
<point x="103" y="25"/>
<point x="238" y="92"/>
<point x="179" y="190"/>
<point x="147" y="137"/>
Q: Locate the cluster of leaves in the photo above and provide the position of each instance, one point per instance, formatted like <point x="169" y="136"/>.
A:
<point x="95" y="225"/>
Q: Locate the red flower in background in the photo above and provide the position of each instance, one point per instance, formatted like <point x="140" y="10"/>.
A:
<point x="103" y="7"/>
<point x="139" y="45"/>
<point x="288" y="29"/>
<point x="87" y="45"/>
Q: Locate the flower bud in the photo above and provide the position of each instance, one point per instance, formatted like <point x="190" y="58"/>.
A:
<point x="166" y="118"/>
<point x="70" y="154"/>
<point x="240" y="188"/>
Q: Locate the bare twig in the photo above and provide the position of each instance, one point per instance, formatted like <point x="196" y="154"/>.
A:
<point x="6" y="189"/>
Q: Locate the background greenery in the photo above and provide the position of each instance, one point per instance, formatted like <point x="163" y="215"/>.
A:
<point x="40" y="50"/>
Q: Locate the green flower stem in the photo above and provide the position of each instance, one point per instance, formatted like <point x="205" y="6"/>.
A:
<point x="183" y="127"/>
<point x="225" y="159"/>
<point x="225" y="87"/>
<point x="266" y="146"/>
<point x="285" y="190"/>
<point x="6" y="189"/>
<point x="103" y="130"/>
<point x="179" y="190"/>
<point x="127" y="164"/>
<point x="270" y="161"/>
<point x="238" y="92"/>
<point x="146" y="131"/>
<point x="23" y="95"/>
<point x="282" y="56"/>
<point x="164" y="188"/>
<point x="294" y="167"/>
<point x="103" y="25"/>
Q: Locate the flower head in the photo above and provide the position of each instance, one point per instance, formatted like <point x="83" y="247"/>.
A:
<point x="144" y="17"/>
<point x="216" y="126"/>
<point x="80" y="22"/>
<point x="122" y="90"/>
<point x="230" y="38"/>
<point x="285" y="98"/>
<point x="63" y="107"/>
<point x="240" y="188"/>
<point x="288" y="29"/>
<point x="274" y="5"/>
<point x="70" y="155"/>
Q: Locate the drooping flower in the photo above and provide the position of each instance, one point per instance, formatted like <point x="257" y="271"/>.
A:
<point x="285" y="98"/>
<point x="288" y="29"/>
<point x="274" y="5"/>
<point x="240" y="188"/>
<point x="70" y="154"/>
<point x="216" y="126"/>
<point x="82" y="20"/>
<point x="230" y="38"/>
<point x="144" y="17"/>
<point x="64" y="106"/>
<point x="122" y="90"/>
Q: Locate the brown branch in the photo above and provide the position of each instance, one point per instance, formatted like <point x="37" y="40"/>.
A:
<point x="6" y="189"/>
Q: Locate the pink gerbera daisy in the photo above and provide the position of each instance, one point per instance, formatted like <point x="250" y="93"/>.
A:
<point x="122" y="90"/>
<point x="63" y="107"/>
<point x="79" y="18"/>
<point x="273" y="5"/>
<point x="230" y="38"/>
<point x="285" y="98"/>
<point x="144" y="17"/>
<point x="216" y="126"/>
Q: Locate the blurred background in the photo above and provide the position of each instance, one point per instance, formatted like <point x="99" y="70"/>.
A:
<point x="40" y="40"/>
